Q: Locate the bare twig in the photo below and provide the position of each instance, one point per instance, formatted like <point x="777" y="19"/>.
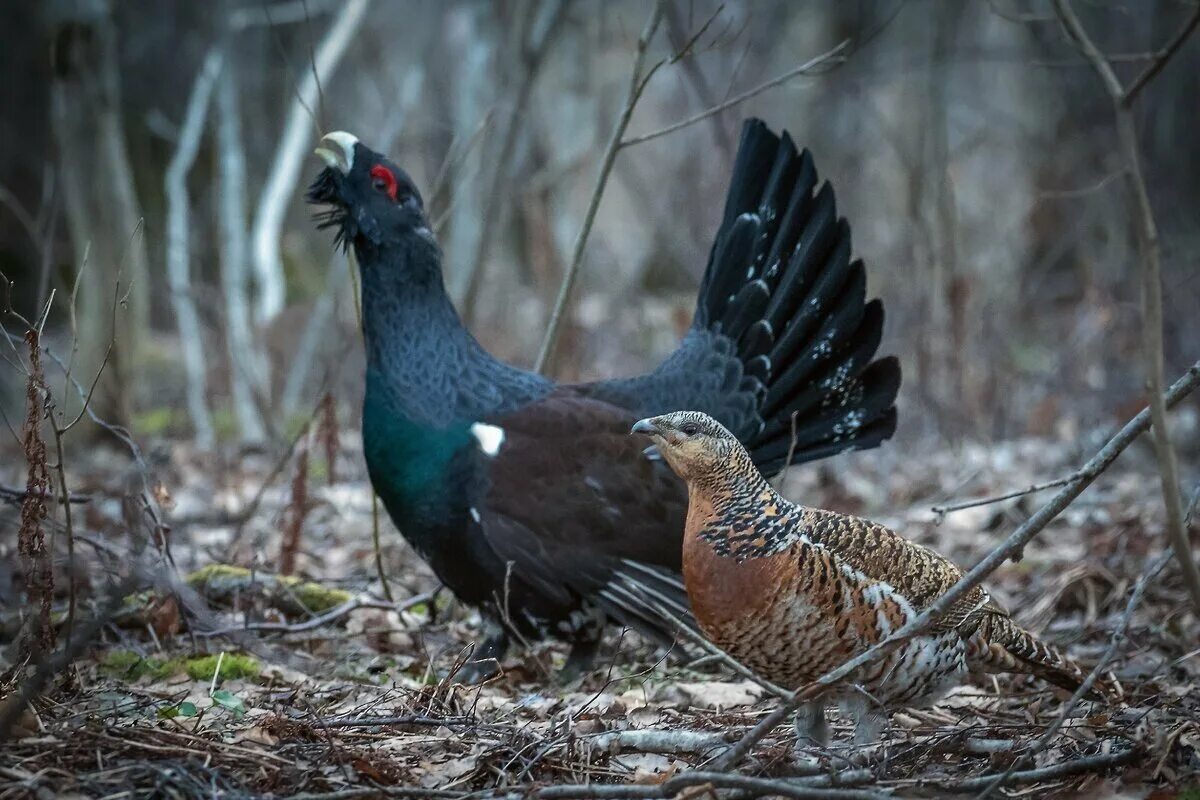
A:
<point x="1152" y="314"/>
<point x="637" y="84"/>
<point x="1118" y="638"/>
<point x="942" y="511"/>
<point x="833" y="56"/>
<point x="12" y="494"/>
<point x="1161" y="59"/>
<point x="32" y="686"/>
<point x="320" y="620"/>
<point x="1013" y="544"/>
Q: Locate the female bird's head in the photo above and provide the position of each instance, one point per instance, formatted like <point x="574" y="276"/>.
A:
<point x="372" y="201"/>
<point x="699" y="449"/>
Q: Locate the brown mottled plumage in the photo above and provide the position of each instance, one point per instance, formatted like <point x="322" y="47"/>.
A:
<point x="794" y="592"/>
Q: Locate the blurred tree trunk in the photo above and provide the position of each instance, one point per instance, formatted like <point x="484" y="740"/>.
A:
<point x="191" y="336"/>
<point x="247" y="365"/>
<point x="298" y="134"/>
<point x="474" y="89"/>
<point x="103" y="213"/>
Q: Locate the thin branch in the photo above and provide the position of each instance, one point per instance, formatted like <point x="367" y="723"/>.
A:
<point x="1013" y="544"/>
<point x="1161" y="60"/>
<point x="1151" y="255"/>
<point x="636" y="85"/>
<point x="828" y="57"/>
<point x="1118" y="638"/>
<point x="332" y="615"/>
<point x="11" y="494"/>
<point x="942" y="511"/>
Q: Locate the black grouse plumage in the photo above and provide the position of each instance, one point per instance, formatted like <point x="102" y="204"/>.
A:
<point x="528" y="498"/>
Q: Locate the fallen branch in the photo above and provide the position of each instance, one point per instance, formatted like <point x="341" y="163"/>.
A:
<point x="332" y="615"/>
<point x="1009" y="547"/>
<point x="406" y="719"/>
<point x="781" y="787"/>
<point x="1072" y="767"/>
<point x="670" y="742"/>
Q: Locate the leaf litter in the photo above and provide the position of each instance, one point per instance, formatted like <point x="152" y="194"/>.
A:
<point x="318" y="701"/>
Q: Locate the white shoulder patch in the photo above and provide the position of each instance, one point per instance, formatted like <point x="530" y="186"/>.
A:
<point x="490" y="437"/>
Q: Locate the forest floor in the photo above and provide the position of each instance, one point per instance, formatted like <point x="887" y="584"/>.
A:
<point x="318" y="688"/>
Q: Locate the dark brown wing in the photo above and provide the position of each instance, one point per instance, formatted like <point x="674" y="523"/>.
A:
<point x="579" y="510"/>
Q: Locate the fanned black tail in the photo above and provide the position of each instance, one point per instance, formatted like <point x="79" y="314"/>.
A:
<point x="804" y="333"/>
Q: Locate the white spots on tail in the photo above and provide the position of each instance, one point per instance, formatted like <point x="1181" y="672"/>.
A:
<point x="490" y="437"/>
<point x="475" y="514"/>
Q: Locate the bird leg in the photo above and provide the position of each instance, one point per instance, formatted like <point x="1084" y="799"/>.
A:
<point x="579" y="659"/>
<point x="869" y="727"/>
<point x="484" y="661"/>
<point x="811" y="725"/>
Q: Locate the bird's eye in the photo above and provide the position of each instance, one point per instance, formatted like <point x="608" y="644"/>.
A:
<point x="384" y="181"/>
<point x="689" y="429"/>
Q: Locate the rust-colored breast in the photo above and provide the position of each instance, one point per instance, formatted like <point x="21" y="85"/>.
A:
<point x="769" y="612"/>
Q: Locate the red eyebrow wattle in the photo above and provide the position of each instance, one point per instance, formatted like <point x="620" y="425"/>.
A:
<point x="381" y="172"/>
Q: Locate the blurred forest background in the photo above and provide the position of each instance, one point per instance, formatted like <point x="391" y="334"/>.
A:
<point x="972" y="149"/>
<point x="153" y="161"/>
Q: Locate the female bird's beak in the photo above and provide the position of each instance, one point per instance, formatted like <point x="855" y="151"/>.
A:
<point x="647" y="427"/>
<point x="337" y="150"/>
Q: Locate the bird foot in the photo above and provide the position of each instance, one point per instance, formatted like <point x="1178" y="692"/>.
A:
<point x="579" y="661"/>
<point x="812" y="729"/>
<point x="474" y="672"/>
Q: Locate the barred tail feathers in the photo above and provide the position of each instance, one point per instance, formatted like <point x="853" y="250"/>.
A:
<point x="1000" y="645"/>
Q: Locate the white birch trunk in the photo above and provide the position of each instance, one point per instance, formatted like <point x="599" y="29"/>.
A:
<point x="178" y="248"/>
<point x="247" y="366"/>
<point x="297" y="138"/>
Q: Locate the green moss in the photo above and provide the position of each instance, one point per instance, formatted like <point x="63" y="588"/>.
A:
<point x="214" y="572"/>
<point x="314" y="596"/>
<point x="158" y="421"/>
<point x="224" y="424"/>
<point x="233" y="667"/>
<point x="294" y="424"/>
<point x="128" y="665"/>
<point x="318" y="470"/>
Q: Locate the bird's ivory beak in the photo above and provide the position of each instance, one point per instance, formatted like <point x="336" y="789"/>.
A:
<point x="647" y="427"/>
<point x="337" y="150"/>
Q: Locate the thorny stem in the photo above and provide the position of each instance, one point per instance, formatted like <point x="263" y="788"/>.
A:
<point x="1013" y="544"/>
<point x="1152" y="314"/>
<point x="636" y="85"/>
